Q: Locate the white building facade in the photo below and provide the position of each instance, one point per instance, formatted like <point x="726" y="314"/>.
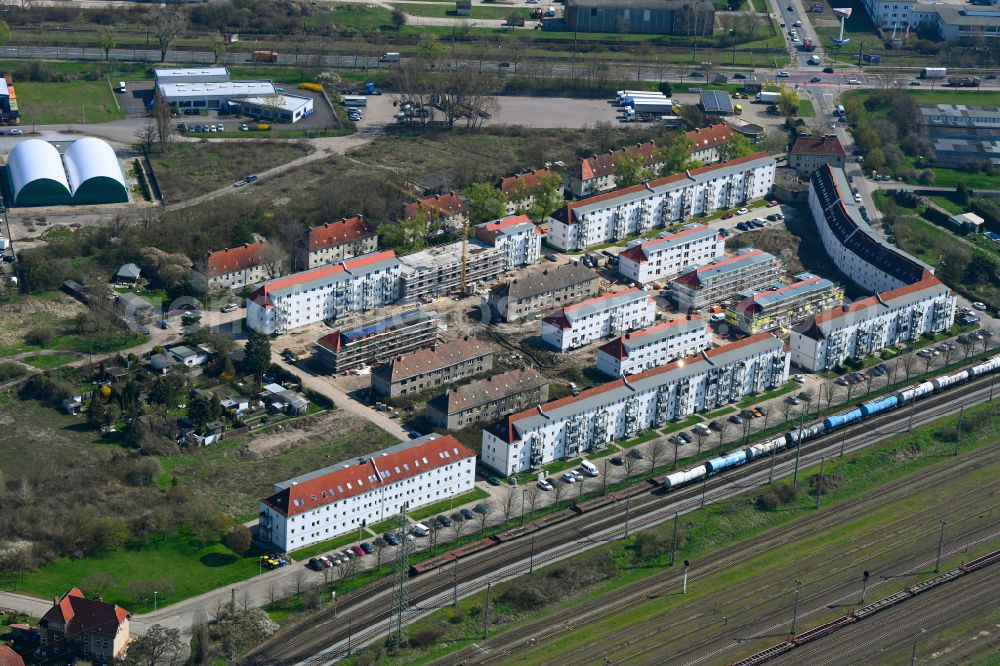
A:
<point x="613" y="314"/>
<point x="716" y="281"/>
<point x="665" y="256"/>
<point x="863" y="328"/>
<point x="329" y="292"/>
<point x="341" y="498"/>
<point x="635" y="210"/>
<point x="516" y="237"/>
<point x="652" y="347"/>
<point x="574" y="426"/>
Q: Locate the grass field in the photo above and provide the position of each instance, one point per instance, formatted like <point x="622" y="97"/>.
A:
<point x="46" y="361"/>
<point x="66" y="103"/>
<point x="806" y="109"/>
<point x="443" y="10"/>
<point x="446" y="505"/>
<point x="188" y="170"/>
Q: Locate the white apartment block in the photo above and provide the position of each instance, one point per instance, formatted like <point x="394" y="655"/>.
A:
<point x="652" y="347"/>
<point x="516" y="237"/>
<point x="666" y="255"/>
<point x="338" y="499"/>
<point x="860" y="253"/>
<point x="612" y="314"/>
<point x="635" y="210"/>
<point x="328" y="292"/>
<point x="951" y="20"/>
<point x="750" y="269"/>
<point x="864" y="327"/>
<point x="621" y="409"/>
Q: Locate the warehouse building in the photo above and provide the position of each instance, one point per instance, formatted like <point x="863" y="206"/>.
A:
<point x="865" y="327"/>
<point x="652" y="347"/>
<point x="540" y="292"/>
<point x="516" y="237"/>
<point x="329" y="292"/>
<point x="622" y="409"/>
<point x="437" y="270"/>
<point x="211" y="88"/>
<point x="363" y="491"/>
<point x="612" y="314"/>
<point x="666" y="255"/>
<point x="487" y="399"/>
<point x="231" y="269"/>
<point x="377" y="341"/>
<point x="88" y="172"/>
<point x="784" y="307"/>
<point x="750" y="269"/>
<point x="635" y="210"/>
<point x="432" y="367"/>
<point x="340" y="240"/>
<point x="648" y="17"/>
<point x="859" y="252"/>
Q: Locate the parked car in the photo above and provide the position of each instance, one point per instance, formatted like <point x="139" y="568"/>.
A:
<point x="568" y="477"/>
<point x="367" y="548"/>
<point x="799" y="378"/>
<point x="743" y="211"/>
<point x="685" y="437"/>
<point x="481" y="508"/>
<point x="543" y="484"/>
<point x="617" y="460"/>
<point x="493" y="480"/>
<point x="244" y="127"/>
<point x="792" y="400"/>
<point x="828" y="70"/>
<point x="736" y="418"/>
<point x="443" y="521"/>
<point x="358" y="550"/>
<point x="979" y="306"/>
<point x="16" y="132"/>
<point x="815" y="79"/>
<point x="728" y="216"/>
<point x="230" y="307"/>
<point x="743" y="226"/>
<point x="715" y="425"/>
<point x="637" y="454"/>
<point x="468" y="515"/>
<point x="725" y="233"/>
<point x="314" y="564"/>
<point x="783" y="75"/>
<point x="391" y="539"/>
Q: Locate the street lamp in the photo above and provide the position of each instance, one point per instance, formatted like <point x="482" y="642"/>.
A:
<point x="154" y="600"/>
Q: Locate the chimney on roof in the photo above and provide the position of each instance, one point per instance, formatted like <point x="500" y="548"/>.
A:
<point x="845" y="307"/>
<point x="55" y="601"/>
<point x="434" y="348"/>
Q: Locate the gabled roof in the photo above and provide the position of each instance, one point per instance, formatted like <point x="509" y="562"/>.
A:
<point x="10" y="658"/>
<point x="483" y="391"/>
<point x="565" y="317"/>
<point x="570" y="213"/>
<point x="523" y="182"/>
<point x="763" y="299"/>
<point x="550" y="279"/>
<point x="697" y="277"/>
<point x="81" y="615"/>
<point x="710" y="137"/>
<point x="431" y="359"/>
<point x="821" y="146"/>
<point x="233" y="259"/>
<point x="506" y="226"/>
<point x="336" y="233"/>
<point x="597" y="166"/>
<point x="129" y="271"/>
<point x="622" y="346"/>
<point x="381" y="469"/>
<point x="322" y="275"/>
<point x="641" y="253"/>
<point x="444" y="205"/>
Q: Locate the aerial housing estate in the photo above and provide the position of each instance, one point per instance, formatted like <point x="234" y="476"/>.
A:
<point x="718" y="280"/>
<point x="668" y="253"/>
<point x="612" y="314"/>
<point x="377" y="340"/>
<point x="652" y="347"/>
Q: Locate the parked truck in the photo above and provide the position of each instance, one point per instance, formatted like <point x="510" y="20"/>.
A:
<point x="963" y="81"/>
<point x="768" y="97"/>
<point x="934" y="72"/>
<point x="264" y="56"/>
<point x="645" y="97"/>
<point x="653" y="106"/>
<point x="391" y="56"/>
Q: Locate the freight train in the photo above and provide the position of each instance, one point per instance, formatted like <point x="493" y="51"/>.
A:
<point x="829" y="424"/>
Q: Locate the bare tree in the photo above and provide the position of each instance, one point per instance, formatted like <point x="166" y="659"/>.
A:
<point x="909" y="362"/>
<point x="272" y="590"/>
<point x="161" y="113"/>
<point x="348" y="569"/>
<point x="828" y="392"/>
<point x="723" y="427"/>
<point x="699" y="436"/>
<point x="274" y="259"/>
<point x="146" y="137"/>
<point x="630" y="465"/>
<point x="170" y="21"/>
<point x="299" y="580"/>
<point x="380" y="546"/>
<point x="785" y="407"/>
<point x="987" y="336"/>
<point x="533" y="494"/>
<point x="486" y="507"/>
<point x="558" y="490"/>
<point x="508" y="503"/>
<point x="968" y="344"/>
<point x="245" y="599"/>
<point x="657" y="449"/>
<point x="457" y="527"/>
<point x="747" y="425"/>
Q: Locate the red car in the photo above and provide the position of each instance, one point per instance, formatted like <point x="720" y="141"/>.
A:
<point x="357" y="550"/>
<point x="729" y="215"/>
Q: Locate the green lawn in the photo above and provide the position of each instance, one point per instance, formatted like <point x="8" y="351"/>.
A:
<point x="681" y="425"/>
<point x="63" y="103"/>
<point x="948" y="203"/>
<point x="303" y="554"/>
<point x="46" y="361"/>
<point x="447" y="10"/>
<point x="177" y="567"/>
<point x="806" y="109"/>
<point x="789" y="386"/>
<point x="446" y="505"/>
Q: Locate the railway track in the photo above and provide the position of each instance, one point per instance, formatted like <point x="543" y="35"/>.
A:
<point x="322" y="636"/>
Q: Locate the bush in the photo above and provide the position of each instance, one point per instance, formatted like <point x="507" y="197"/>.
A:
<point x="767" y="501"/>
<point x="426" y="636"/>
<point x="10" y="370"/>
<point x="787" y="493"/>
<point x="39" y="337"/>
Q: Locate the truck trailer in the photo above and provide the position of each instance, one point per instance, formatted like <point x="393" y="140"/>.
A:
<point x="264" y="56"/>
<point x="934" y="72"/>
<point x="631" y="100"/>
<point x="653" y="106"/>
<point x="768" y="97"/>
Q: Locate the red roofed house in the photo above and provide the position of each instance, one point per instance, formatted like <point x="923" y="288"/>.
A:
<point x="341" y="498"/>
<point x="809" y="153"/>
<point x="596" y="173"/>
<point x="233" y="268"/>
<point x="668" y="254"/>
<point x="81" y="627"/>
<point x="9" y="658"/>
<point x="521" y="188"/>
<point x="446" y="211"/>
<point x="518" y="238"/>
<point x="343" y="239"/>
<point x="707" y="142"/>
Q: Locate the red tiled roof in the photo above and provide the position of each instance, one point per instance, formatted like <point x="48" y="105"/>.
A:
<point x="824" y="146"/>
<point x="616" y="348"/>
<point x="445" y="205"/>
<point x="509" y="221"/>
<point x="710" y="137"/>
<point x="81" y="615"/>
<point x="261" y="295"/>
<point x="339" y="232"/>
<point x="386" y="469"/>
<point x="233" y="259"/>
<point x="566" y="213"/>
<point x="865" y="303"/>
<point x="10" y="658"/>
<point x="596" y="166"/>
<point x="330" y="341"/>
<point x="521" y="182"/>
<point x="637" y="253"/>
<point x="431" y="359"/>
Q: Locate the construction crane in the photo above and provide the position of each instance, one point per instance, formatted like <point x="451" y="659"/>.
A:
<point x="465" y="255"/>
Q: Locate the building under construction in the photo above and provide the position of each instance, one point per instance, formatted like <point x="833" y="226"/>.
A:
<point x="377" y="341"/>
<point x="437" y="271"/>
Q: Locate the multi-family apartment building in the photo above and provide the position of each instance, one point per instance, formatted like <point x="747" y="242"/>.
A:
<point x="859" y="252"/>
<point x="328" y="292"/>
<point x="516" y="237"/>
<point x="232" y="268"/>
<point x="600" y="317"/>
<point x="635" y="210"/>
<point x="539" y="292"/>
<point x="437" y="270"/>
<point x="750" y="269"/>
<point x="951" y="21"/>
<point x="77" y="627"/>
<point x="708" y="140"/>
<point x="665" y="255"/>
<point x="431" y="367"/>
<point x="487" y="399"/>
<point x="784" y="307"/>
<point x="864" y="327"/>
<point x="343" y="239"/>
<point x="377" y="340"/>
<point x="652" y="347"/>
<point x="363" y="491"/>
<point x="521" y="188"/>
<point x="623" y="408"/>
<point x="596" y="173"/>
<point x="446" y="211"/>
<point x="809" y="153"/>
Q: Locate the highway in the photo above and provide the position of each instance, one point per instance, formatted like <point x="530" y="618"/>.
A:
<point x="363" y="614"/>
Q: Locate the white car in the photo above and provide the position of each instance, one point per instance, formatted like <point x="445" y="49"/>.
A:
<point x="979" y="306"/>
<point x="544" y="484"/>
<point x="853" y="82"/>
<point x="783" y="75"/>
<point x="569" y="477"/>
<point x="742" y="211"/>
<point x="800" y="379"/>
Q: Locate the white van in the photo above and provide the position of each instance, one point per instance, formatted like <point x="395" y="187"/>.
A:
<point x="420" y="529"/>
<point x="589" y="468"/>
<point x="121" y="86"/>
